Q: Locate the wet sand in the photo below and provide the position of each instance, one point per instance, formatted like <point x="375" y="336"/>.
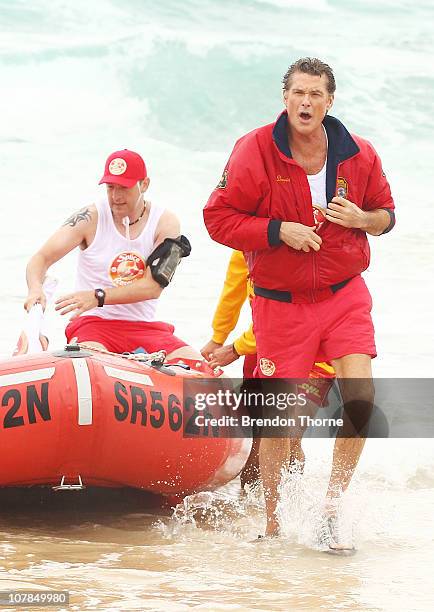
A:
<point x="119" y="550"/>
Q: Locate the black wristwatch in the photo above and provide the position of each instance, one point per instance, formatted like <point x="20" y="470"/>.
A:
<point x="100" y="296"/>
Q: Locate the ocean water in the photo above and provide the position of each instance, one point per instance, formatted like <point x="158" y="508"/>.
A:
<point x="180" y="82"/>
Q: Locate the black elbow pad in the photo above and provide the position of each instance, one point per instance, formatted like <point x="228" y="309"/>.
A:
<point x="165" y="258"/>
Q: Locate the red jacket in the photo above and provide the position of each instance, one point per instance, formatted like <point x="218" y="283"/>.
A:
<point x="262" y="186"/>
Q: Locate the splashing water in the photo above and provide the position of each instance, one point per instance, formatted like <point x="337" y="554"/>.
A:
<point x="300" y="510"/>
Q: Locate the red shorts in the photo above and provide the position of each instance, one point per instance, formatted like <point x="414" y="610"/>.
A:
<point x="120" y="336"/>
<point x="290" y="337"/>
<point x="249" y="365"/>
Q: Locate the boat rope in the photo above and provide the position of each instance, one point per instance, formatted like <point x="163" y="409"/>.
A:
<point x="156" y="357"/>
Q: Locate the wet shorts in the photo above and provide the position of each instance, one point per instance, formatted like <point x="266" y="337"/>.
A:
<point x="249" y="365"/>
<point x="121" y="336"/>
<point x="290" y="337"/>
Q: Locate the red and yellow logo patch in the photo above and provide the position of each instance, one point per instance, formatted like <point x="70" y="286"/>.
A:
<point x="341" y="187"/>
<point x="267" y="366"/>
<point x="117" y="166"/>
<point x="126" y="268"/>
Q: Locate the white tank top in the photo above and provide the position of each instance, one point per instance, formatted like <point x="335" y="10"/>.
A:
<point x="112" y="260"/>
<point x="317" y="183"/>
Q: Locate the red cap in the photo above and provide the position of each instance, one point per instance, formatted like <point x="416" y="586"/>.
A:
<point x="124" y="168"/>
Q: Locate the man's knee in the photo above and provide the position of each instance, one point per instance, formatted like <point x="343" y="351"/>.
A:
<point x="357" y="365"/>
<point x="356" y="418"/>
<point x="185" y="352"/>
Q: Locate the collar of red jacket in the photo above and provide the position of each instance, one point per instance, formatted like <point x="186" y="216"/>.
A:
<point x="341" y="146"/>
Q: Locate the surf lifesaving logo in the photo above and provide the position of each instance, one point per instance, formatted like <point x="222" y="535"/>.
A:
<point x="341" y="187"/>
<point x="267" y="366"/>
<point x="126" y="268"/>
<point x="117" y="166"/>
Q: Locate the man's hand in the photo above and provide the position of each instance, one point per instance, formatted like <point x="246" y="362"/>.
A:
<point x="209" y="348"/>
<point x="79" y="301"/>
<point x="223" y="356"/>
<point x="300" y="237"/>
<point x="37" y="296"/>
<point x="346" y="213"/>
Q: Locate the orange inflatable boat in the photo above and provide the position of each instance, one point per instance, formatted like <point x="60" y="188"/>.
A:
<point x="78" y="417"/>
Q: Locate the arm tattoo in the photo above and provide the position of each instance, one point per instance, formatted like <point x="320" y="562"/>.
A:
<point x="82" y="215"/>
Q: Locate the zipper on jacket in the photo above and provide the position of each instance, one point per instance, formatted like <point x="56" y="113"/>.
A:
<point x="313" y="276"/>
<point x="309" y="211"/>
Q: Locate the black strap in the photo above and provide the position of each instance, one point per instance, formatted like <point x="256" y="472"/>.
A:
<point x="286" y="296"/>
<point x="164" y="248"/>
<point x="165" y="258"/>
<point x="273" y="294"/>
<point x="340" y="285"/>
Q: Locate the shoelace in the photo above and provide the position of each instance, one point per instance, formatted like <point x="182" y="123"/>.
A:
<point x="327" y="531"/>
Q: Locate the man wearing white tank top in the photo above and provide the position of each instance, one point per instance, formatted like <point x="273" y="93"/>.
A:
<point x="114" y="302"/>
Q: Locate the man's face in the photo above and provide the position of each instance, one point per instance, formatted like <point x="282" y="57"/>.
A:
<point x="307" y="101"/>
<point x="122" y="199"/>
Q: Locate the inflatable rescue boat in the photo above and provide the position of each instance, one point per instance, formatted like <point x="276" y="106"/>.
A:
<point x="79" y="417"/>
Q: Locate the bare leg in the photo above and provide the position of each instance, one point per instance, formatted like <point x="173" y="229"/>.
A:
<point x="358" y="396"/>
<point x="296" y="455"/>
<point x="96" y="345"/>
<point x="273" y="454"/>
<point x="250" y="472"/>
<point x="186" y="352"/>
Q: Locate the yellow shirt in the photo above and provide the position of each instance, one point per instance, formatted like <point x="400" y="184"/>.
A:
<point x="236" y="289"/>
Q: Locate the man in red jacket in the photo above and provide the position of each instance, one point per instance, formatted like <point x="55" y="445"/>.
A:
<point x="298" y="197"/>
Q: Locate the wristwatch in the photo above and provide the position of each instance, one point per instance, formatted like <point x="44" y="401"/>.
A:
<point x="100" y="296"/>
